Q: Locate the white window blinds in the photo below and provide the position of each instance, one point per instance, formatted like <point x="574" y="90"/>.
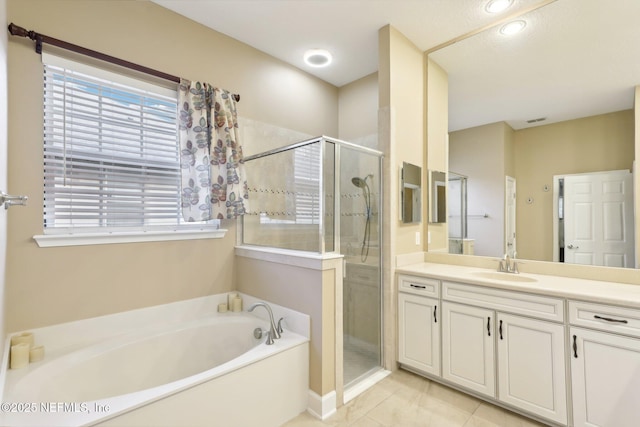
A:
<point x="110" y="151"/>
<point x="307" y="183"/>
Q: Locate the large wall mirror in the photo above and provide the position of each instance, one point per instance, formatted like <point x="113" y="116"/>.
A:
<point x="530" y="113"/>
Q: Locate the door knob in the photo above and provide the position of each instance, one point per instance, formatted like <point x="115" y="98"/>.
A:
<point x="572" y="247"/>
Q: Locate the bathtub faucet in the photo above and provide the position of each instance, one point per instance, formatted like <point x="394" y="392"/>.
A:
<point x="273" y="330"/>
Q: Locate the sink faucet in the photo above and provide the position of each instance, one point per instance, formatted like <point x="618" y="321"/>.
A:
<point x="508" y="265"/>
<point x="273" y="330"/>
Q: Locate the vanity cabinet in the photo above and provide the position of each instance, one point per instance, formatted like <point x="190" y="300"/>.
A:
<point x="501" y="344"/>
<point x="468" y="347"/>
<point x="418" y="324"/>
<point x="568" y="362"/>
<point x="605" y="364"/>
<point x="531" y="366"/>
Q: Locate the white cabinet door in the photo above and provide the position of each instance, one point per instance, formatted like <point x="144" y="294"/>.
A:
<point x="605" y="376"/>
<point x="468" y="347"/>
<point x="419" y="333"/>
<point x="531" y="366"/>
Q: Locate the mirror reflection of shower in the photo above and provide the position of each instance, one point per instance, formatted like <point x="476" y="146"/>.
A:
<point x="366" y="239"/>
<point x="457" y="202"/>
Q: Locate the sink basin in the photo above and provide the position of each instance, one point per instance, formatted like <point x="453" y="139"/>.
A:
<point x="507" y="277"/>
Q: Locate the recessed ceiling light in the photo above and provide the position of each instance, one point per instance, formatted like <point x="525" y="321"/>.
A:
<point x="513" y="27"/>
<point x="317" y="57"/>
<point x="497" y="6"/>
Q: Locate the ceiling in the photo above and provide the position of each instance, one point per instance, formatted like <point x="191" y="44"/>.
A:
<point x="575" y="58"/>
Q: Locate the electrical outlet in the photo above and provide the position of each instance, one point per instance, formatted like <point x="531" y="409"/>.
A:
<point x="428" y="237"/>
<point x="417" y="238"/>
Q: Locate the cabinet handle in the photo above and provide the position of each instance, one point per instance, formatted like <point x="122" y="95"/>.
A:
<point x="501" y="329"/>
<point x="435" y="309"/>
<point x="489" y="325"/>
<point x="575" y="347"/>
<point x="608" y="319"/>
<point x="417" y="286"/>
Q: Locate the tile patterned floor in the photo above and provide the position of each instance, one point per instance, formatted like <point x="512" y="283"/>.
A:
<point x="404" y="399"/>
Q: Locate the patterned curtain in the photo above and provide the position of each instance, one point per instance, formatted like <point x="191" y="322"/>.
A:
<point x="214" y="184"/>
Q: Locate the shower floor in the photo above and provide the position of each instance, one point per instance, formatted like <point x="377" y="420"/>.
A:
<point x="358" y="362"/>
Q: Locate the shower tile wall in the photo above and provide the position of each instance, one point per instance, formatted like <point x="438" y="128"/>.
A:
<point x="271" y="189"/>
<point x="258" y="137"/>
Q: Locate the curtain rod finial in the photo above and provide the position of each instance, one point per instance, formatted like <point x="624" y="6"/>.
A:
<point x="17" y="31"/>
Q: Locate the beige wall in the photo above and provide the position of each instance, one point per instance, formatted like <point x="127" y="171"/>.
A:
<point x="484" y="154"/>
<point x="308" y="291"/>
<point x="598" y="143"/>
<point x="636" y="178"/>
<point x="437" y="141"/>
<point x="401" y="125"/>
<point x="51" y="285"/>
<point x="358" y="109"/>
<point x="3" y="167"/>
<point x="401" y="84"/>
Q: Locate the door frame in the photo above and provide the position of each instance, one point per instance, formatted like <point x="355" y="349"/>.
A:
<point x="510" y="215"/>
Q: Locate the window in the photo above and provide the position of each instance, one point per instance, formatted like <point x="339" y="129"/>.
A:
<point x="306" y="166"/>
<point x="111" y="159"/>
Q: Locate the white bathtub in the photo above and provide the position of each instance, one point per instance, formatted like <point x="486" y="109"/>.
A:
<point x="182" y="369"/>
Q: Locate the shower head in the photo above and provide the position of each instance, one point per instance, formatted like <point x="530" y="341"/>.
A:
<point x="358" y="182"/>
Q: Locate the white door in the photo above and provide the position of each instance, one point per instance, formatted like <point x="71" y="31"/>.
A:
<point x="419" y="333"/>
<point x="531" y="371"/>
<point x="605" y="375"/>
<point x="598" y="219"/>
<point x="468" y="353"/>
<point x="510" y="217"/>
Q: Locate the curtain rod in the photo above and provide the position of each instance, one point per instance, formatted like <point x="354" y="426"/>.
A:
<point x="15" y="30"/>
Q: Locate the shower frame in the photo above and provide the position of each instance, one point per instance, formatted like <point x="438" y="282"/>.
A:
<point x="323" y="224"/>
<point x="337" y="144"/>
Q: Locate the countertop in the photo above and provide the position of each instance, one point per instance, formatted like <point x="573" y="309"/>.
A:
<point x="563" y="287"/>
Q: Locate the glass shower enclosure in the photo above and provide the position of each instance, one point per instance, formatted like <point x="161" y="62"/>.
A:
<point x="457" y="202"/>
<point x="324" y="195"/>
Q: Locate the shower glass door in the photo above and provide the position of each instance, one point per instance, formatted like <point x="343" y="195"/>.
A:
<point x="360" y="243"/>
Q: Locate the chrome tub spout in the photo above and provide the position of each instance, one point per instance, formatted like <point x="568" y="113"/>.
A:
<point x="273" y="330"/>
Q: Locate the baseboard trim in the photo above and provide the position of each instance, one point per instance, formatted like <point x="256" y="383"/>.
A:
<point x="322" y="407"/>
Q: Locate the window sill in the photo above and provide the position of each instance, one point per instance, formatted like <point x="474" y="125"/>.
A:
<point x="83" y="239"/>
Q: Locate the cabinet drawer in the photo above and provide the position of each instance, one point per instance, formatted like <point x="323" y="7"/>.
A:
<point x="419" y="286"/>
<point x="605" y="317"/>
<point x="506" y="301"/>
